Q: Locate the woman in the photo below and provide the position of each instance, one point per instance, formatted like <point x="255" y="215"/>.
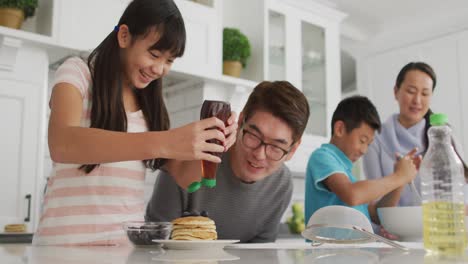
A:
<point x="407" y="129"/>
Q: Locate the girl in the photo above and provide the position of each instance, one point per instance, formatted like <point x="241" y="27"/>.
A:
<point x="107" y="116"/>
<point x="406" y="130"/>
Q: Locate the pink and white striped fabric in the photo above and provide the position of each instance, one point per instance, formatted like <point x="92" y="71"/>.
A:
<point x="89" y="209"/>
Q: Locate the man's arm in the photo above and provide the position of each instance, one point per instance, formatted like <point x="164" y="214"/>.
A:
<point x="184" y="172"/>
<point x="167" y="200"/>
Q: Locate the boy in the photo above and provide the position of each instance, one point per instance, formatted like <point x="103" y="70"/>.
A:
<point x="329" y="180"/>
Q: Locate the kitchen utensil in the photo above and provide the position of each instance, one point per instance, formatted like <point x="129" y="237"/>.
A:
<point x="415" y="192"/>
<point x="413" y="187"/>
<point x="342" y="225"/>
<point x="380" y="238"/>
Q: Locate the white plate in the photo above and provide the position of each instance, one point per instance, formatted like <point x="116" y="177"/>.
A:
<point x="192" y="256"/>
<point x="195" y="244"/>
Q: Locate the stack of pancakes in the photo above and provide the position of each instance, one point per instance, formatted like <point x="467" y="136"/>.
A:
<point x="193" y="228"/>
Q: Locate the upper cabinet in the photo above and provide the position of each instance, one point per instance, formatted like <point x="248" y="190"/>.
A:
<point x="203" y="50"/>
<point x="297" y="41"/>
<point x="83" y="24"/>
<point x="67" y="27"/>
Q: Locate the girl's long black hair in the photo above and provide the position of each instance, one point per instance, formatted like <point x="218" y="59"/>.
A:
<point x="107" y="109"/>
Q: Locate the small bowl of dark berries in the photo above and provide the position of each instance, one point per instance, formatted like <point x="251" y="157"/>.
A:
<point x="143" y="233"/>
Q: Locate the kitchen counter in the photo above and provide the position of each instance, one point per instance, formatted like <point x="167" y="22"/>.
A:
<point x="288" y="251"/>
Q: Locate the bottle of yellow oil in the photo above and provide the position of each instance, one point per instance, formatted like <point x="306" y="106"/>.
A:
<point x="444" y="228"/>
<point x="442" y="181"/>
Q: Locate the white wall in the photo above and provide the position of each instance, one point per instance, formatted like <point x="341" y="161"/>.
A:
<point x="378" y="64"/>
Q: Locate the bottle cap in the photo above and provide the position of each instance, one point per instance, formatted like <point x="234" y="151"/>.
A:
<point x="210" y="183"/>
<point x="193" y="187"/>
<point x="438" y="119"/>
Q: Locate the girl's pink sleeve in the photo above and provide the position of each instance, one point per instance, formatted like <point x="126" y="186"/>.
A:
<point x="75" y="72"/>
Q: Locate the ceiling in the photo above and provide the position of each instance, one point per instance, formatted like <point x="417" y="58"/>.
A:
<point x="367" y="19"/>
<point x="373" y="16"/>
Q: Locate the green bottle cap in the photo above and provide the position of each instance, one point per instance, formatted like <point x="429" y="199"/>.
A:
<point x="193" y="187"/>
<point x="210" y="183"/>
<point x="438" y="119"/>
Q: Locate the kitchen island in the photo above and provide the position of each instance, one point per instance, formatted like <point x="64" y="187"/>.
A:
<point x="284" y="251"/>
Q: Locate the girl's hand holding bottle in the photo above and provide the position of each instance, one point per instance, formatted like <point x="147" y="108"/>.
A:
<point x="189" y="142"/>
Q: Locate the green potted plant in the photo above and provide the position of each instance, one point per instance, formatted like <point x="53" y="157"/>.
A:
<point x="14" y="12"/>
<point x="236" y="51"/>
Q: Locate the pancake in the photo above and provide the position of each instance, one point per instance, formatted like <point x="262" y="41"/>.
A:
<point x="15" y="228"/>
<point x="194" y="236"/>
<point x="193" y="228"/>
<point x="193" y="220"/>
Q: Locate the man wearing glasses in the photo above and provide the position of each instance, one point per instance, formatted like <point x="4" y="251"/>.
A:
<point x="254" y="186"/>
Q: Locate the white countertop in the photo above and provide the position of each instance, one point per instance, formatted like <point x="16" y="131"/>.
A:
<point x="287" y="252"/>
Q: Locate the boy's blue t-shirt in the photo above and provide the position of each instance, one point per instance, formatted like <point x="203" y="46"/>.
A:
<point x="324" y="162"/>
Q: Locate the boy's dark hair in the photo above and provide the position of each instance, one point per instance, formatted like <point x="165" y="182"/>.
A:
<point x="282" y="100"/>
<point x="107" y="108"/>
<point x="355" y="110"/>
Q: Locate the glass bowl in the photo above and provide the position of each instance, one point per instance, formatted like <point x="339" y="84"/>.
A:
<point x="142" y="233"/>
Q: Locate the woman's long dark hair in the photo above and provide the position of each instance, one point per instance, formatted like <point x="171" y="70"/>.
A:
<point x="424" y="67"/>
<point x="107" y="109"/>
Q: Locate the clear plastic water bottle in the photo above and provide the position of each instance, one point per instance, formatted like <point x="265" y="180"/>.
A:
<point x="442" y="183"/>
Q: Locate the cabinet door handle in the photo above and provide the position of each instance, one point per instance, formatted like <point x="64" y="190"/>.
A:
<point x="28" y="218"/>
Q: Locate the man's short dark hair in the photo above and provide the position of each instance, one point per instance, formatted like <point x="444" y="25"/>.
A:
<point x="282" y="100"/>
<point x="354" y="111"/>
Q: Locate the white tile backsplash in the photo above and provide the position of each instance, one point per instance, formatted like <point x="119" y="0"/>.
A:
<point x="193" y="97"/>
<point x="183" y="104"/>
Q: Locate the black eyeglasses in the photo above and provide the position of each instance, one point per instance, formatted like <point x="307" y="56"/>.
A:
<point x="252" y="141"/>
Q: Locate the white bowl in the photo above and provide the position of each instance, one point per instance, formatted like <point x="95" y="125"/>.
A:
<point x="404" y="221"/>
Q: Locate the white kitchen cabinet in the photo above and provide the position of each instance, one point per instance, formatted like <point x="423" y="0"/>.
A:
<point x="84" y="32"/>
<point x="448" y="55"/>
<point x="297" y="41"/>
<point x="203" y="49"/>
<point x="83" y="24"/>
<point x="23" y="91"/>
